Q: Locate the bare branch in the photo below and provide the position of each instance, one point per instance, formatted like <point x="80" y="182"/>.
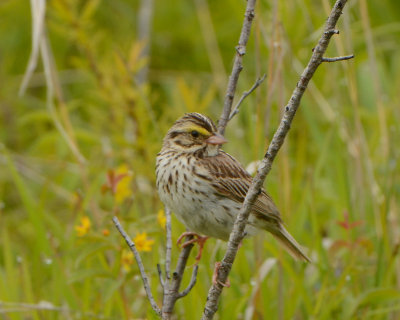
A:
<point x="237" y="66"/>
<point x="170" y="284"/>
<point x="139" y="262"/>
<point x="168" y="245"/>
<point x="244" y="95"/>
<point x="183" y="257"/>
<point x="277" y="141"/>
<point x="171" y="287"/>
<point x="351" y="56"/>
<point x="191" y="283"/>
<point x="160" y="276"/>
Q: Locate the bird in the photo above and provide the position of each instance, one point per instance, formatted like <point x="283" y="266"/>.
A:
<point x="205" y="186"/>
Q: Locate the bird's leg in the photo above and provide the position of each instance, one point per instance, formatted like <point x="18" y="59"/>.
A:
<point x="227" y="284"/>
<point x="197" y="238"/>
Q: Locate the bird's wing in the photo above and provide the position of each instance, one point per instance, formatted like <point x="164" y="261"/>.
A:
<point x="233" y="181"/>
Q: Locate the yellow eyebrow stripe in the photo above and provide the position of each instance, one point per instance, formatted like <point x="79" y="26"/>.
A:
<point x="201" y="130"/>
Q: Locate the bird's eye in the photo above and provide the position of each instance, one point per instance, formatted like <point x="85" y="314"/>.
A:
<point x="194" y="133"/>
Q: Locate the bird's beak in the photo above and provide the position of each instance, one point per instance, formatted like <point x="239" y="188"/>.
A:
<point x="216" y="139"/>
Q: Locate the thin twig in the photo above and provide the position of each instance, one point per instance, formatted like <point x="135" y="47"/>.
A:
<point x="160" y="276"/>
<point x="168" y="245"/>
<point x="237" y="66"/>
<point x="244" y="95"/>
<point x="191" y="283"/>
<point x="351" y="56"/>
<point x="139" y="262"/>
<point x="290" y="110"/>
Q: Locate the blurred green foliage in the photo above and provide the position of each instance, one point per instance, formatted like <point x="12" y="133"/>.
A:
<point x="336" y="180"/>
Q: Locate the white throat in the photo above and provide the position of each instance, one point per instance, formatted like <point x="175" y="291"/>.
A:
<point x="212" y="150"/>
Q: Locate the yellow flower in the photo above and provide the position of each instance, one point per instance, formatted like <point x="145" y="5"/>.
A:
<point x="126" y="259"/>
<point x="84" y="227"/>
<point x="142" y="243"/>
<point x="161" y="218"/>
<point x="123" y="188"/>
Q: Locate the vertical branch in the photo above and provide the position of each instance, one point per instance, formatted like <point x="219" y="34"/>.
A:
<point x="171" y="286"/>
<point x="172" y="283"/>
<point x="237" y="66"/>
<point x="168" y="246"/>
<point x="289" y="112"/>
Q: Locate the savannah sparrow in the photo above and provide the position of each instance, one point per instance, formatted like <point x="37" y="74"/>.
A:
<point x="205" y="186"/>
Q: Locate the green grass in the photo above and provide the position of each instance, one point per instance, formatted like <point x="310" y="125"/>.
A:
<point x="338" y="164"/>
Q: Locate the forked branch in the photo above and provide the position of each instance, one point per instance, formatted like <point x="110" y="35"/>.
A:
<point x="290" y="110"/>
<point x="170" y="283"/>
<point x="245" y="94"/>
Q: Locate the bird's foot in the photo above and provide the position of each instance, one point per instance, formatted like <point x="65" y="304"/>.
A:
<point x="200" y="240"/>
<point x="215" y="280"/>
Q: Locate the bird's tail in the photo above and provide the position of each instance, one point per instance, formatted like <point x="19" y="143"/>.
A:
<point x="290" y="244"/>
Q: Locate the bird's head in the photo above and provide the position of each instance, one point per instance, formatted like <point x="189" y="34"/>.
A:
<point x="194" y="132"/>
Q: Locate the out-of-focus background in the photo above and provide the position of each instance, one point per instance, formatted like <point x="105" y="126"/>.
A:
<point x="79" y="145"/>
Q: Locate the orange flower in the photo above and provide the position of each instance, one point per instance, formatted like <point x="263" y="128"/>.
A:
<point x="142" y="243"/>
<point x="84" y="227"/>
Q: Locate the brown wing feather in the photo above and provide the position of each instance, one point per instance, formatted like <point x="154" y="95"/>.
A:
<point x="233" y="181"/>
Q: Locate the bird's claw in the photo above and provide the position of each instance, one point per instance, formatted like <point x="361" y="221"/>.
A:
<point x="215" y="280"/>
<point x="200" y="240"/>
